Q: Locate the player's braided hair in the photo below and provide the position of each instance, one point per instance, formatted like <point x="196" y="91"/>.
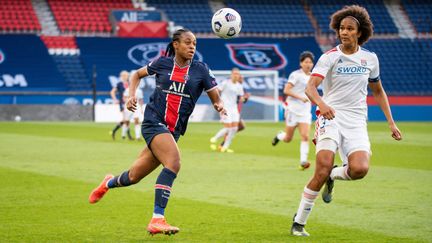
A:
<point x="169" y="52"/>
<point x="306" y="54"/>
<point x="358" y="13"/>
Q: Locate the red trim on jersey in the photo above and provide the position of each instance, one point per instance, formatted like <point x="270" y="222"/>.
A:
<point x="173" y="101"/>
<point x="404" y="100"/>
<point x="317" y="75"/>
<point x="331" y="50"/>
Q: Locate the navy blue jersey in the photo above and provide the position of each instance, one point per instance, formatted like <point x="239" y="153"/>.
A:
<point x="177" y="91"/>
<point x="120" y="90"/>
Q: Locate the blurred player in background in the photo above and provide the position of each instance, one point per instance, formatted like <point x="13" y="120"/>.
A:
<point x="298" y="111"/>
<point x="136" y="115"/>
<point x="231" y="89"/>
<point x="180" y="81"/>
<point x="345" y="72"/>
<point x="242" y="124"/>
<point x="117" y="96"/>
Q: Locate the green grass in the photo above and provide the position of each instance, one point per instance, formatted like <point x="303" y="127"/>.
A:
<point x="48" y="169"/>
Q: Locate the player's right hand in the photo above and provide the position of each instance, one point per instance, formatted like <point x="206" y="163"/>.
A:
<point x="131" y="104"/>
<point x="326" y="111"/>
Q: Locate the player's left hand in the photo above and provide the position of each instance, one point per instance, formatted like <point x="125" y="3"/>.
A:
<point x="396" y="134"/>
<point x="131" y="104"/>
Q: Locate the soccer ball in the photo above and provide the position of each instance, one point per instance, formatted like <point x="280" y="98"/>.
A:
<point x="226" y="23"/>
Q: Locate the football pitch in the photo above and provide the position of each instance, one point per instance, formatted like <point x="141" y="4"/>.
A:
<point x="47" y="171"/>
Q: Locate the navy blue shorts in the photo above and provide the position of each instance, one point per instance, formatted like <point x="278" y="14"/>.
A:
<point x="149" y="129"/>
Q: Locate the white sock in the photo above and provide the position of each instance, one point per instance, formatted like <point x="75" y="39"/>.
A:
<point x="231" y="133"/>
<point x="137" y="131"/>
<point x="304" y="151"/>
<point x="124" y="130"/>
<point x="305" y="207"/>
<point x="281" y="135"/>
<point x="158" y="216"/>
<point x="220" y="133"/>
<point x="340" y="173"/>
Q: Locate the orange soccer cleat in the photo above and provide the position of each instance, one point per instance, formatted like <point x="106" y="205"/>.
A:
<point x="160" y="226"/>
<point x="100" y="191"/>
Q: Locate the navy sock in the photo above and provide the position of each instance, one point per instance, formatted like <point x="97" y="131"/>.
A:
<point x="120" y="181"/>
<point x="163" y="190"/>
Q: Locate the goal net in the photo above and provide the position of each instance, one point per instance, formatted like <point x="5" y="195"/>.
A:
<point x="263" y="104"/>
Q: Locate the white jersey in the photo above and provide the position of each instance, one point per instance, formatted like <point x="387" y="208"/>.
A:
<point x="299" y="81"/>
<point x="345" y="83"/>
<point x="138" y="94"/>
<point x="230" y="92"/>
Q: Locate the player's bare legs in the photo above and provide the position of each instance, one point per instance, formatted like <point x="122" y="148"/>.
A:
<point x="324" y="165"/>
<point x="284" y="136"/>
<point x="304" y="145"/>
<point x="164" y="148"/>
<point x="232" y="130"/>
<point x="143" y="165"/>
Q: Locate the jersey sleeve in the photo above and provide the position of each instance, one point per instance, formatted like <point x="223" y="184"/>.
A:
<point x="374" y="74"/>
<point x="292" y="78"/>
<point x="209" y="80"/>
<point x="322" y="67"/>
<point x="154" y="66"/>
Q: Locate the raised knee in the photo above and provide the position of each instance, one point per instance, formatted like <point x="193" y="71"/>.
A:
<point x="358" y="171"/>
<point x="287" y="139"/>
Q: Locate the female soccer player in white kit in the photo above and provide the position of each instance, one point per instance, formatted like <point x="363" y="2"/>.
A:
<point x="230" y="90"/>
<point x="345" y="72"/>
<point x="298" y="111"/>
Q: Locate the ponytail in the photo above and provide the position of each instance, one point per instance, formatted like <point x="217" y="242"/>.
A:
<point x="170" y="52"/>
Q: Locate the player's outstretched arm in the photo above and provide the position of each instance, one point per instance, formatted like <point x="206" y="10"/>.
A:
<point x="131" y="104"/>
<point x="312" y="93"/>
<point x="216" y="100"/>
<point x="382" y="100"/>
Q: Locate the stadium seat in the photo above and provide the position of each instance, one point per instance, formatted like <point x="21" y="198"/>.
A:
<point x="18" y="16"/>
<point x="403" y="63"/>
<point x="76" y="16"/>
<point x="420" y="13"/>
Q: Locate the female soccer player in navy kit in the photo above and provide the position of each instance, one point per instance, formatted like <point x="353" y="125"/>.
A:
<point x="180" y="81"/>
<point x="345" y="72"/>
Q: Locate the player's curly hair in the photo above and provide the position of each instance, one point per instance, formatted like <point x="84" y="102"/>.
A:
<point x="169" y="52"/>
<point x="306" y="54"/>
<point x="365" y="25"/>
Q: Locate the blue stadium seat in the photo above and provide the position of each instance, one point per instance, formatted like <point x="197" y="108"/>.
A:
<point x="277" y="16"/>
<point x="420" y="13"/>
<point x="383" y="23"/>
<point x="404" y="65"/>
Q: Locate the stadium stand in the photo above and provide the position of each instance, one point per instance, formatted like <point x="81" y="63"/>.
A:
<point x="18" y="16"/>
<point x="420" y="13"/>
<point x="86" y="15"/>
<point x="279" y="16"/>
<point x="71" y="67"/>
<point x="404" y="65"/>
<point x="59" y="42"/>
<point x="377" y="10"/>
<point x="194" y="14"/>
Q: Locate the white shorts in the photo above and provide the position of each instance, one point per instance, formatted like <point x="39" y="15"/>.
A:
<point x="347" y="140"/>
<point x="233" y="115"/>
<point x="129" y="115"/>
<point x="292" y="119"/>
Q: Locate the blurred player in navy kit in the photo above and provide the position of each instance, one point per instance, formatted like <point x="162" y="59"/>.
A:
<point x="180" y="81"/>
<point x="117" y="96"/>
